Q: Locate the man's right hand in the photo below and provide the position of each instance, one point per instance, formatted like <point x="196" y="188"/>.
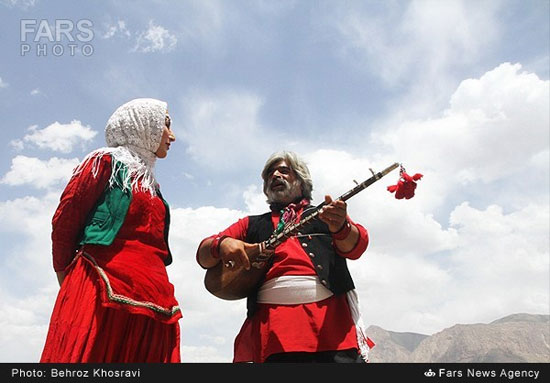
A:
<point x="237" y="251"/>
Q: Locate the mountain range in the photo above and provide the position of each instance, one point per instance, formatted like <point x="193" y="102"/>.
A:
<point x="517" y="338"/>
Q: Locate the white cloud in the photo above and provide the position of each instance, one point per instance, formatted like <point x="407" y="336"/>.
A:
<point x="333" y="173"/>
<point x="254" y="199"/>
<point x="117" y="29"/>
<point x="204" y="22"/>
<point x="27" y="250"/>
<point x="502" y="260"/>
<point x="425" y="40"/>
<point x="202" y="354"/>
<point x="495" y="125"/>
<point x="274" y="8"/>
<point x="3" y="84"/>
<point x="24" y="325"/>
<point x="499" y="266"/>
<point x="419" y="50"/>
<point x="217" y="123"/>
<point x="155" y="39"/>
<point x="58" y="137"/>
<point x="209" y="324"/>
<point x="514" y="243"/>
<point x="28" y="215"/>
<point x="35" y="92"/>
<point x="23" y="4"/>
<point x="18" y="145"/>
<point x="37" y="173"/>
<point x="209" y="23"/>
<point x="28" y="284"/>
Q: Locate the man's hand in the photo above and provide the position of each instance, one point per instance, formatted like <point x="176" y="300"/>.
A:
<point x="236" y="252"/>
<point x="334" y="214"/>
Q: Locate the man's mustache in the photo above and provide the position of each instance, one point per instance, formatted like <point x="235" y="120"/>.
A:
<point x="277" y="182"/>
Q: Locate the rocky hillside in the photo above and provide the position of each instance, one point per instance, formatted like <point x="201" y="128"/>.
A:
<point x="515" y="338"/>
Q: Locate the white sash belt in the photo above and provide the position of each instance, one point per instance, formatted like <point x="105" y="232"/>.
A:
<point x="299" y="289"/>
<point x="293" y="290"/>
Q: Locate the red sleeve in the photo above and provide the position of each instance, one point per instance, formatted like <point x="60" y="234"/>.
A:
<point x="237" y="230"/>
<point x="78" y="198"/>
<point x="360" y="246"/>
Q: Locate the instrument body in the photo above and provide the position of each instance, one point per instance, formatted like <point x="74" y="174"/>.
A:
<point x="233" y="283"/>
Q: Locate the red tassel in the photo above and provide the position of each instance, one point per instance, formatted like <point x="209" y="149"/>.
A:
<point x="370" y="343"/>
<point x="405" y="186"/>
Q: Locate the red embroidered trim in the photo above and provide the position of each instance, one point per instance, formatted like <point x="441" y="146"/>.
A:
<point x="112" y="296"/>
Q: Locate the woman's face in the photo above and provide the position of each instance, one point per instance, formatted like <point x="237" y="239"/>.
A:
<point x="167" y="138"/>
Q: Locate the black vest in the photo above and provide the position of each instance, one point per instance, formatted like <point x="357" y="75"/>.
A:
<point x="316" y="241"/>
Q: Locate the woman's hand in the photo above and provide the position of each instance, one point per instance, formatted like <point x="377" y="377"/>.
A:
<point x="60" y="277"/>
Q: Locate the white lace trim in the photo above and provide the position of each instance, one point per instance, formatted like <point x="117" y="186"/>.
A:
<point x="139" y="176"/>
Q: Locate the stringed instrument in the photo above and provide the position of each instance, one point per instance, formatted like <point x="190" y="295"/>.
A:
<point x="232" y="283"/>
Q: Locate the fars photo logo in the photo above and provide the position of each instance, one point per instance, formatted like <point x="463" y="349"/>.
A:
<point x="58" y="37"/>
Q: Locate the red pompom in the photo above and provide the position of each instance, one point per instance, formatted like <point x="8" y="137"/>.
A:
<point x="405" y="186"/>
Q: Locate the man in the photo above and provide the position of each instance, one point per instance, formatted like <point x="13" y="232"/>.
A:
<point x="306" y="309"/>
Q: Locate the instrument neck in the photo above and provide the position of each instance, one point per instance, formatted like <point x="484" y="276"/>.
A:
<point x="293" y="228"/>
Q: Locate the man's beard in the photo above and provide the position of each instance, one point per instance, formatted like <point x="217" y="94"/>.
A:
<point x="288" y="194"/>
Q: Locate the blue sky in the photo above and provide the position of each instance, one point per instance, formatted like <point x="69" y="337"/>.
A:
<point x="456" y="90"/>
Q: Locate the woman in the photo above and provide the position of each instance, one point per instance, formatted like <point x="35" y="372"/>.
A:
<point x="110" y="249"/>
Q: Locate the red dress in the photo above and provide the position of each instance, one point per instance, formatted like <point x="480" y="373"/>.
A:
<point x="116" y="303"/>
<point x="312" y="327"/>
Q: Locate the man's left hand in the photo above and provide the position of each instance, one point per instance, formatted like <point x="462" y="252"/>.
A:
<point x="334" y="214"/>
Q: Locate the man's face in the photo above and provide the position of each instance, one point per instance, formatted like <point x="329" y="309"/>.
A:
<point x="283" y="186"/>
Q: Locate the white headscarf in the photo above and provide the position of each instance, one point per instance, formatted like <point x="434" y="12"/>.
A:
<point x="133" y="134"/>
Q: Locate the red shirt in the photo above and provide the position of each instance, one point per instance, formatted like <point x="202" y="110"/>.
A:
<point x="131" y="271"/>
<point x="319" y="326"/>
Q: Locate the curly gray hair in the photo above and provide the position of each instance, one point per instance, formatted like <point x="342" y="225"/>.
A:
<point x="298" y="166"/>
